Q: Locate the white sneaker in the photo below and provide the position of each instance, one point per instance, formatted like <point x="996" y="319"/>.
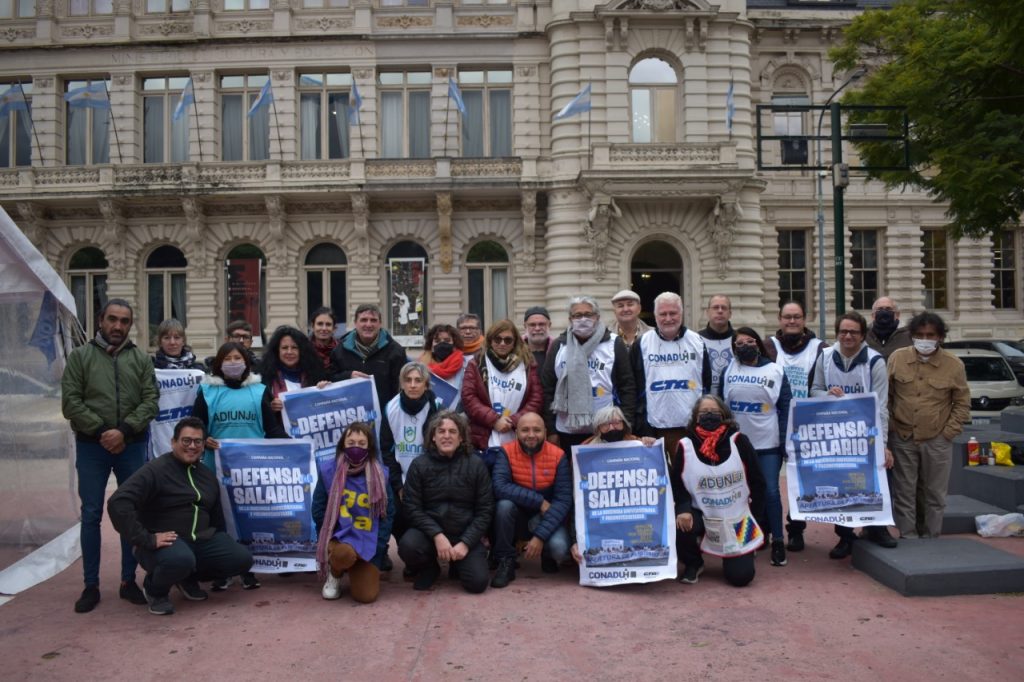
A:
<point x="332" y="588"/>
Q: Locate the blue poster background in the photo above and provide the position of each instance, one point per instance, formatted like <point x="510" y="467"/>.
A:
<point x="321" y="414"/>
<point x="624" y="513"/>
<point x="448" y="393"/>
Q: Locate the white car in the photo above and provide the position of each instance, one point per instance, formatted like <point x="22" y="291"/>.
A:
<point x="993" y="384"/>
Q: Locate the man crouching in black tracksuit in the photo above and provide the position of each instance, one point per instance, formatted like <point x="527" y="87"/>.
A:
<point x="170" y="512"/>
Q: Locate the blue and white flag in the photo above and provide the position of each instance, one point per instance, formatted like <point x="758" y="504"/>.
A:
<point x="92" y="96"/>
<point x="730" y="107"/>
<point x="356" y="105"/>
<point x="266" y="492"/>
<point x="321" y="414"/>
<point x="625" y="516"/>
<point x="835" y="472"/>
<point x="46" y="328"/>
<point x="456" y="94"/>
<point x="264" y="99"/>
<point x="577" y="105"/>
<point x="184" y="101"/>
<point x="12" y="99"/>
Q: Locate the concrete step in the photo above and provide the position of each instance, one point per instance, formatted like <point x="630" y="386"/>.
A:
<point x="960" y="513"/>
<point x="941" y="566"/>
<point x="1000" y="486"/>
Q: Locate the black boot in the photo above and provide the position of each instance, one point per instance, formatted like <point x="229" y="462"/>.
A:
<point x="505" y="574"/>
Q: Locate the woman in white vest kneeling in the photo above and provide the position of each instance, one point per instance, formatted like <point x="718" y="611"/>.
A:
<point x="719" y="494"/>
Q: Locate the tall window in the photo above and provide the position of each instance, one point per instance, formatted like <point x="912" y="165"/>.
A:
<point x="404" y="114"/>
<point x="487" y="274"/>
<point x="243" y="137"/>
<point x="325" y="280"/>
<point x="323" y="115"/>
<point x="84" y="8"/>
<point x="241" y="5"/>
<point x="246" y="288"/>
<point x="16" y="125"/>
<point x="167" y="6"/>
<point x="655" y="267"/>
<point x="793" y="275"/>
<point x="791" y="123"/>
<point x="864" y="268"/>
<point x="164" y="139"/>
<point x="165" y="282"/>
<point x="87" y="279"/>
<point x="487" y="125"/>
<point x="88" y="125"/>
<point x="652" y="97"/>
<point x="934" y="250"/>
<point x="1004" y="270"/>
<point x="12" y="9"/>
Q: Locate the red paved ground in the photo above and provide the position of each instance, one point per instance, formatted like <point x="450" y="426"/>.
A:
<point x="813" y="619"/>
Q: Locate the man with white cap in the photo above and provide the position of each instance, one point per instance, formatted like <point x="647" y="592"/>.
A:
<point x="628" y="325"/>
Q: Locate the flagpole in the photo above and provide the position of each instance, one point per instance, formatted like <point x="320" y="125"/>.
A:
<point x="113" y="124"/>
<point x="447" y="108"/>
<point x="32" y="125"/>
<point x="277" y="124"/>
<point x="588" y="139"/>
<point x="195" y="110"/>
<point x="359" y="122"/>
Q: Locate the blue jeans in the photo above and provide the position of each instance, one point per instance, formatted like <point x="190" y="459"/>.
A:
<point x="771" y="465"/>
<point x="94" y="463"/>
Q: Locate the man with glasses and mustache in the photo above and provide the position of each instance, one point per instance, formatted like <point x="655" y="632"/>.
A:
<point x="170" y="512"/>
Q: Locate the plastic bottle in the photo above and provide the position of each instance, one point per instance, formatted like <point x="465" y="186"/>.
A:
<point x="973" y="452"/>
<point x="991" y="457"/>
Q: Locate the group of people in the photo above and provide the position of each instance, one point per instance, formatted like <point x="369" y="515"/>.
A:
<point x="474" y="480"/>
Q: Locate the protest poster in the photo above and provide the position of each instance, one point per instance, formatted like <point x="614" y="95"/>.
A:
<point x="835" y="472"/>
<point x="178" y="389"/>
<point x="625" y="516"/>
<point x="321" y="414"/>
<point x="245" y="288"/>
<point x="449" y="393"/>
<point x="266" y="492"/>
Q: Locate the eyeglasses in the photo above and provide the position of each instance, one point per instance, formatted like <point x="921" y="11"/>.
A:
<point x="191" y="442"/>
<point x="791" y="318"/>
<point x="848" y="332"/>
<point x="469" y="329"/>
<point x="505" y="340"/>
<point x="583" y="316"/>
<point x="241" y="337"/>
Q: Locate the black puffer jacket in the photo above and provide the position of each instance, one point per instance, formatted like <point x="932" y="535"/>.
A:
<point x="383" y="364"/>
<point x="450" y="495"/>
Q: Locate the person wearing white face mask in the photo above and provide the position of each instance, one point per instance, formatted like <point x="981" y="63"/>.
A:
<point x="929" y="401"/>
<point x="586" y="369"/>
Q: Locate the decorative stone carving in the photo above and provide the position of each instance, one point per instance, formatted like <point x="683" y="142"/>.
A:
<point x="166" y="28"/>
<point x="597" y="230"/>
<point x="682" y="153"/>
<point x="42" y="81"/>
<point x="362" y="74"/>
<point x="282" y="75"/>
<point x="12" y="34"/>
<point x="122" y="78"/>
<point x="525" y="71"/>
<point x="400" y="168"/>
<point x="485" y="168"/>
<point x="726" y="213"/>
<point x="324" y="24"/>
<point x="443" y="72"/>
<point x="244" y="26"/>
<point x="67" y="175"/>
<point x="113" y="236"/>
<point x="315" y="171"/>
<point x="444" y="229"/>
<point x="44" y="8"/>
<point x="529" y="209"/>
<point x="484" y="20"/>
<point x="361" y="223"/>
<point x="195" y="226"/>
<point x="86" y="31"/>
<point x="404" y="21"/>
<point x="276" y="224"/>
<point x="31" y="223"/>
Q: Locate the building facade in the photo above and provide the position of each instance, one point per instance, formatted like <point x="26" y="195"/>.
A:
<point x="319" y="156"/>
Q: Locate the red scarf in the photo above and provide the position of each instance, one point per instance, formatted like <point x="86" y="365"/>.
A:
<point x="450" y="367"/>
<point x="710" y="442"/>
<point x="325" y="351"/>
<point x="472" y="348"/>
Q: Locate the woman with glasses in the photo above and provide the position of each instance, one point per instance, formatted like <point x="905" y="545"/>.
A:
<point x="500" y="388"/>
<point x="796" y="348"/>
<point x="717" y="486"/>
<point x="758" y="394"/>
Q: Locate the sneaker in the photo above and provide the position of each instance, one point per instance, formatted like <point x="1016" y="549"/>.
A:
<point x="843" y="549"/>
<point x="881" y="537"/>
<point x="408" y="575"/>
<point x="158" y="606"/>
<point x="130" y="591"/>
<point x="547" y="564"/>
<point x="386" y="565"/>
<point x="332" y="587"/>
<point x="190" y="590"/>
<point x="796" y="542"/>
<point x="453" y="570"/>
<point x="250" y="581"/>
<point x="778" y="553"/>
<point x="89" y="599"/>
<point x="220" y="584"/>
<point x="505" y="574"/>
<point x="427" y="576"/>
<point x="691" y="573"/>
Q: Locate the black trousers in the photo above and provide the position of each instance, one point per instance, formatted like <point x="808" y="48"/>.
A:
<point x="738" y="570"/>
<point x="219" y="557"/>
<point x="418" y="552"/>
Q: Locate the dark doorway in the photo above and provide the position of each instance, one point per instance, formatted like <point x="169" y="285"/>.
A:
<point x="656" y="267"/>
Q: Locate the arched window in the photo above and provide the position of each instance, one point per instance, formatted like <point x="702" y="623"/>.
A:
<point x="790" y="90"/>
<point x="87" y="279"/>
<point x="407" y="291"/>
<point x="656" y="267"/>
<point x="487" y="275"/>
<point x="653" y="85"/>
<point x="165" y="288"/>
<point x="246" y="289"/>
<point x="325" y="280"/>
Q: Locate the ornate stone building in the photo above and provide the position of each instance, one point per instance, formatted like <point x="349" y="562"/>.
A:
<point x="362" y="181"/>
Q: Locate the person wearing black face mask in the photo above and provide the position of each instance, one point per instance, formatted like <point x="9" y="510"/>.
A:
<point x="885" y="335"/>
<point x="443" y="355"/>
<point x="757" y="391"/>
<point x="718" y="463"/>
<point x="611" y="426"/>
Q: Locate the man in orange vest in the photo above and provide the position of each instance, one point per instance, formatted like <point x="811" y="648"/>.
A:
<point x="533" y="488"/>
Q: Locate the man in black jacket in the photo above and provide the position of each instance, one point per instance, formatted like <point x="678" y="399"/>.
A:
<point x="369" y="351"/>
<point x="170" y="512"/>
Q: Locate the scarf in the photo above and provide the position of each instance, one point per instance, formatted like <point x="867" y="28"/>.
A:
<point x="413" y="406"/>
<point x="364" y="351"/>
<point x="472" y="348"/>
<point x="278" y="385"/>
<point x="186" y="360"/>
<point x="325" y="351"/>
<point x="107" y="347"/>
<point x="449" y="367"/>
<point x="709" y="442"/>
<point x="794" y="347"/>
<point x="574" y="396"/>
<point x="378" y="501"/>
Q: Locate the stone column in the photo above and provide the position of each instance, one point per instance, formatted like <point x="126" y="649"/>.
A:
<point x="569" y="260"/>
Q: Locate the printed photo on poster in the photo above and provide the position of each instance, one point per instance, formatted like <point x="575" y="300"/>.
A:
<point x="244" y="287"/>
<point x="406" y="281"/>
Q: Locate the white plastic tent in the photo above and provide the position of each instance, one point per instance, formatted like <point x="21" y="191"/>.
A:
<point x="38" y="506"/>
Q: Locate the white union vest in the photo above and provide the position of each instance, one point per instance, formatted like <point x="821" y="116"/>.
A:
<point x="673" y="371"/>
<point x="857" y="380"/>
<point x="722" y="495"/>
<point x="798" y="367"/>
<point x="506" y="392"/>
<point x="752" y="393"/>
<point x="407" y="430"/>
<point x="600" y="363"/>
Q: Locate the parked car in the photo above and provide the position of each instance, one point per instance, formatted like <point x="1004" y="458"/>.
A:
<point x="1013" y="351"/>
<point x="993" y="386"/>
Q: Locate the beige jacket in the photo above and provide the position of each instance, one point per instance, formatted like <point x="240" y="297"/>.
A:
<point x="927" y="398"/>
